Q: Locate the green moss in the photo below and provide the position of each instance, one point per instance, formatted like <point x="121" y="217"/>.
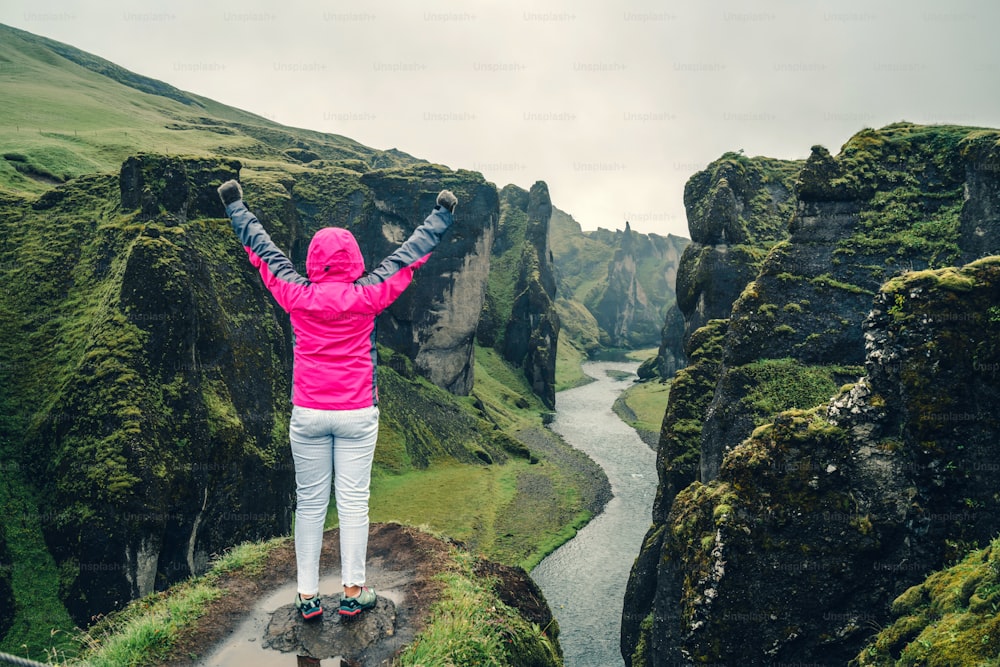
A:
<point x="644" y="405"/>
<point x="764" y="186"/>
<point x="910" y="179"/>
<point x="826" y="280"/>
<point x="949" y="619"/>
<point x="690" y="395"/>
<point x="782" y="384"/>
<point x="767" y="310"/>
<point x="643" y="647"/>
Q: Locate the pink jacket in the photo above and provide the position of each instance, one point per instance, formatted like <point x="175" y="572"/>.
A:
<point x="333" y="310"/>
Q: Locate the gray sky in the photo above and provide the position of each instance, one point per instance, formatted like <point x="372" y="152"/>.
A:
<point x="614" y="105"/>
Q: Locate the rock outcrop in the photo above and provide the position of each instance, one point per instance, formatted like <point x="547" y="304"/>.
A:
<point x="519" y="317"/>
<point x="823" y="517"/>
<point x="643" y="265"/>
<point x="737" y="208"/>
<point x="670" y="356"/>
<point x="796" y="529"/>
<point x="980" y="221"/>
<point x="435" y="320"/>
<point x="889" y="202"/>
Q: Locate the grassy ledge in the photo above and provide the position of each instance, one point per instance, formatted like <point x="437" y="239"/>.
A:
<point x="470" y="625"/>
<point x="145" y="632"/>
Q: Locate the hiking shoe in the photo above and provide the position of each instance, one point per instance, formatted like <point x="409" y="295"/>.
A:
<point x="352" y="606"/>
<point x="310" y="608"/>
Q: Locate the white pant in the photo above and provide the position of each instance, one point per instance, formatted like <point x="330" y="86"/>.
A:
<point x="324" y="442"/>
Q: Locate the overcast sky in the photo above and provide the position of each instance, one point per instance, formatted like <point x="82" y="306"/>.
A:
<point x="614" y="105"/>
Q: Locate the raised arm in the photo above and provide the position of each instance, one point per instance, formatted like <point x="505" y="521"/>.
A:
<point x="276" y="270"/>
<point x="394" y="274"/>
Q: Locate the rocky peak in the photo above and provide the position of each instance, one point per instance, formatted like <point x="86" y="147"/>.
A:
<point x="518" y="317"/>
<point x="737" y="208"/>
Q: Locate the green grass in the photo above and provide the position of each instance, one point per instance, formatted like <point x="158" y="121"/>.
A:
<point x="641" y="355"/>
<point x="508" y="399"/>
<point x="40" y="631"/>
<point x="784" y="384"/>
<point x="147" y="638"/>
<point x="569" y="372"/>
<point x="470" y="625"/>
<point x="460" y="501"/>
<point x="647" y="402"/>
<point x="145" y="632"/>
<point x="68" y="113"/>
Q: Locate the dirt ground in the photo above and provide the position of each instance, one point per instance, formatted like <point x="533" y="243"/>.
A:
<point x="412" y="558"/>
<point x="391" y="547"/>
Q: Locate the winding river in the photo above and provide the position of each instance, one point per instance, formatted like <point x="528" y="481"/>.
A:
<point x="584" y="580"/>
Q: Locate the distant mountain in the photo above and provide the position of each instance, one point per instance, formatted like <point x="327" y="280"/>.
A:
<point x="623" y="279"/>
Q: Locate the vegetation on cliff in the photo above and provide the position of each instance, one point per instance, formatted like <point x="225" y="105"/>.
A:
<point x="757" y="560"/>
<point x="519" y="317"/>
<point x="615" y="287"/>
<point x="951" y="618"/>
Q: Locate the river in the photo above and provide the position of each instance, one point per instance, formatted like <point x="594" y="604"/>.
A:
<point x="584" y="580"/>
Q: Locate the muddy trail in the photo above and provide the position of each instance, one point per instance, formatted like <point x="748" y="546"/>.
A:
<point x="253" y="624"/>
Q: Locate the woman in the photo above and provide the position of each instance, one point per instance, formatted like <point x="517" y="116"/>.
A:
<point x="334" y="423"/>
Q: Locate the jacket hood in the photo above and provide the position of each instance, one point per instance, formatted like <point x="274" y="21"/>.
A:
<point x="334" y="256"/>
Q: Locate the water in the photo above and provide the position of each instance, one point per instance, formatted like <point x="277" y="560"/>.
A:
<point x="584" y="580"/>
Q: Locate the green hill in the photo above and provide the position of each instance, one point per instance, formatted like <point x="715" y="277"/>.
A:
<point x="66" y="113"/>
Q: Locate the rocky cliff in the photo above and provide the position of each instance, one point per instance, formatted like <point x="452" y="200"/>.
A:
<point x="793" y="532"/>
<point x="160" y="367"/>
<point x="435" y="321"/>
<point x="737" y="208"/>
<point x="519" y="317"/>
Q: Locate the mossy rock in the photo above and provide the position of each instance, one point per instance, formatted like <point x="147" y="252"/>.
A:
<point x="949" y="619"/>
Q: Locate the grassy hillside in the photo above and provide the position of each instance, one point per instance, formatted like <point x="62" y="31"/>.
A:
<point x="66" y="113"/>
<point x="582" y="260"/>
